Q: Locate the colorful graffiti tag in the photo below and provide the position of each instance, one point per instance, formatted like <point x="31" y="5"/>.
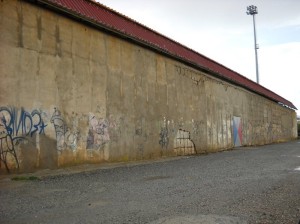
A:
<point x="237" y="131"/>
<point x="15" y="126"/>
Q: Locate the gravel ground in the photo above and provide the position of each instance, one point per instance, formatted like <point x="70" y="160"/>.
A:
<point x="247" y="185"/>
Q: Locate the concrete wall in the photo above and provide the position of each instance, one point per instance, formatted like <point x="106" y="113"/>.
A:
<point x="71" y="94"/>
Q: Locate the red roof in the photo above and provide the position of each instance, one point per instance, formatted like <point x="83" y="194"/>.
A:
<point x="113" y="21"/>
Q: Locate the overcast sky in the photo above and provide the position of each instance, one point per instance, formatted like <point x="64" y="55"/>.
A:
<point x="222" y="31"/>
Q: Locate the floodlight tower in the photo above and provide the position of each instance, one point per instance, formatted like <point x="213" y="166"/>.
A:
<point x="252" y="10"/>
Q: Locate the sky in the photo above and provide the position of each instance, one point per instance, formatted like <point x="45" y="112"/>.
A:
<point x="222" y="31"/>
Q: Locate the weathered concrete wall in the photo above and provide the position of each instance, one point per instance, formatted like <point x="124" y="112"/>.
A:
<point x="72" y="94"/>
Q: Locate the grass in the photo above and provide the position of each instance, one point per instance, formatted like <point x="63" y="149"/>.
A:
<point x="25" y="178"/>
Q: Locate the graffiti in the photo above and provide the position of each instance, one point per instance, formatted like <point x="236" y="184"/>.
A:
<point x="15" y="126"/>
<point x="183" y="145"/>
<point x="140" y="148"/>
<point x="141" y="137"/>
<point x="164" y="133"/>
<point x="6" y="144"/>
<point x="196" y="77"/>
<point x="139" y="131"/>
<point x="98" y="132"/>
<point x="237" y="131"/>
<point x="115" y="128"/>
<point x="164" y="137"/>
<point x="140" y="123"/>
<point x="197" y="126"/>
<point x="65" y="137"/>
<point x="21" y="122"/>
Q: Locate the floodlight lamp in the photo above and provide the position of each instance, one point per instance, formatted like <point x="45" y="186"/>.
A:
<point x="251" y="10"/>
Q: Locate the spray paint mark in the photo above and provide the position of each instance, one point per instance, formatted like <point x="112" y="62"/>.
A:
<point x="98" y="132"/>
<point x="65" y="137"/>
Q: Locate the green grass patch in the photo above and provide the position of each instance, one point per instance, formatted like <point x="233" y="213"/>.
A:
<point x="25" y="178"/>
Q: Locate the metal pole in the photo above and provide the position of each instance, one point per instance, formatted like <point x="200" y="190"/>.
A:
<point x="252" y="10"/>
<point x="255" y="48"/>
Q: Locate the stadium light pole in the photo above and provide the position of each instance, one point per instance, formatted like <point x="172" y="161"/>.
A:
<point x="252" y="10"/>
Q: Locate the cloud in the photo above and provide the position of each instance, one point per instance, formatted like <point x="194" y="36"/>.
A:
<point x="280" y="70"/>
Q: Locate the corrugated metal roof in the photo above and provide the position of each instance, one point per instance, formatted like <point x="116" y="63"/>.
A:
<point x="107" y="18"/>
